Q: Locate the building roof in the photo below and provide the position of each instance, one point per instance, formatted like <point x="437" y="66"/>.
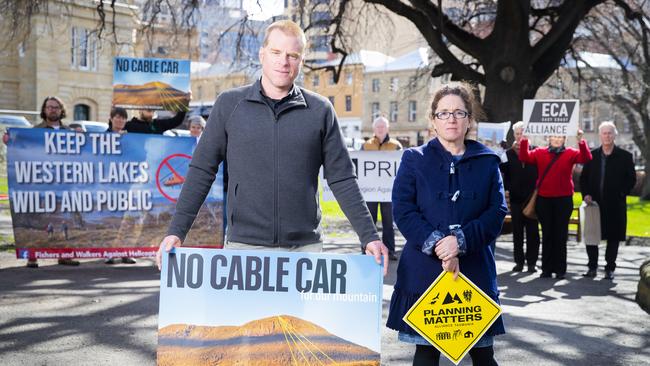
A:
<point x="363" y="57"/>
<point x="413" y="60"/>
<point x="595" y="60"/>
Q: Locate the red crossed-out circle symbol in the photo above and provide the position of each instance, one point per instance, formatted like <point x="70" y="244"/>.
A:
<point x="174" y="179"/>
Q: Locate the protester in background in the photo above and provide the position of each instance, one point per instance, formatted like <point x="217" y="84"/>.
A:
<point x="116" y="124"/>
<point x="52" y="113"/>
<point x="606" y="180"/>
<point x="519" y="181"/>
<point x="117" y="120"/>
<point x="449" y="203"/>
<point x="381" y="141"/>
<point x="555" y="196"/>
<point x="197" y="125"/>
<point x="275" y="136"/>
<point x="150" y="123"/>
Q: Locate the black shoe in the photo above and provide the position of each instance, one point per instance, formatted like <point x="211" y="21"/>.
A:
<point x="532" y="269"/>
<point x="110" y="261"/>
<point x="545" y="275"/>
<point x="560" y="276"/>
<point x="392" y="256"/>
<point x="68" y="262"/>
<point x="591" y="273"/>
<point x="518" y="268"/>
<point x="609" y="275"/>
<point x="128" y="260"/>
<point x="32" y="263"/>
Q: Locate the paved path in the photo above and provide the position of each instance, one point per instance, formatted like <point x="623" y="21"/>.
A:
<point x="97" y="314"/>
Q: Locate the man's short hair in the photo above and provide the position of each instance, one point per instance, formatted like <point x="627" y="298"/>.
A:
<point x="517" y="125"/>
<point x="288" y="27"/>
<point x="380" y="119"/>
<point x="197" y="120"/>
<point x="609" y="124"/>
<point x="58" y="100"/>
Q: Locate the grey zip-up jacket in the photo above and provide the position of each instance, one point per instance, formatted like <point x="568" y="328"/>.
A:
<point x="273" y="162"/>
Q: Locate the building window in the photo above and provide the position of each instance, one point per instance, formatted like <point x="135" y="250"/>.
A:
<point x="374" y="107"/>
<point x="348" y="103"/>
<point x="348" y="78"/>
<point x="84" y="49"/>
<point x="315" y="80"/>
<point x="394" y="84"/>
<point x="375" y="85"/>
<point x="393" y="111"/>
<point x="413" y="82"/>
<point x="331" y="98"/>
<point x="331" y="79"/>
<point x="413" y="110"/>
<point x="588" y="124"/>
<point x="81" y="112"/>
<point x="320" y="43"/>
<point x="626" y="126"/>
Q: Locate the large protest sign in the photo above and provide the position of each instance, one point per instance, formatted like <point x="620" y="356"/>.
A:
<point x="269" y="308"/>
<point x="375" y="172"/>
<point x="101" y="194"/>
<point x="493" y="135"/>
<point x="453" y="315"/>
<point x="151" y="83"/>
<point x="551" y="117"/>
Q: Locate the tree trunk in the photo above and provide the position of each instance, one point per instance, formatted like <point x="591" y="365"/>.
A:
<point x="645" y="188"/>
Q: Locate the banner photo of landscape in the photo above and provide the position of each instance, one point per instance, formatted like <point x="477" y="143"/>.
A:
<point x="269" y="308"/>
<point x="493" y="135"/>
<point x="551" y="117"/>
<point x="100" y="195"/>
<point x="375" y="172"/>
<point x="151" y="83"/>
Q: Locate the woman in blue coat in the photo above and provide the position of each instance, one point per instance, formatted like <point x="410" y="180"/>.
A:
<point x="449" y="204"/>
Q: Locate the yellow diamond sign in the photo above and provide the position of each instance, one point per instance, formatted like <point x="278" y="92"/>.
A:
<point x="453" y="315"/>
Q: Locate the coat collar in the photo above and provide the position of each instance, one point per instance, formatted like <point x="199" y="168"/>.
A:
<point x="295" y="96"/>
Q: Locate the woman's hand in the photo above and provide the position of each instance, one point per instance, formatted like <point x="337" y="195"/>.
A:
<point x="447" y="248"/>
<point x="453" y="266"/>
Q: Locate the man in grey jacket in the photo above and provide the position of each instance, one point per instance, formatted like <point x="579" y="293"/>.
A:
<point x="275" y="137"/>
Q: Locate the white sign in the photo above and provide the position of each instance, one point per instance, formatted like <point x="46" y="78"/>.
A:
<point x="493" y="135"/>
<point x="551" y="117"/>
<point x="375" y="172"/>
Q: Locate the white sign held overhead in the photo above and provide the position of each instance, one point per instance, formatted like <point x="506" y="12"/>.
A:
<point x="547" y="117"/>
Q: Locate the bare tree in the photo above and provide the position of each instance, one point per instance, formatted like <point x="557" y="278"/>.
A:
<point x="620" y="29"/>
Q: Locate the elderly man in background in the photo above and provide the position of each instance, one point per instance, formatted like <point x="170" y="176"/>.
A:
<point x="381" y="141"/>
<point x="607" y="179"/>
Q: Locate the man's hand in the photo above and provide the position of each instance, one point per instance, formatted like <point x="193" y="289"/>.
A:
<point x="378" y="249"/>
<point x="447" y="248"/>
<point x="588" y="199"/>
<point x="452" y="265"/>
<point x="166" y="245"/>
<point x="579" y="136"/>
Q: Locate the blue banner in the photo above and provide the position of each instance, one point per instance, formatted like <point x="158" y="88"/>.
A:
<point x="101" y="194"/>
<point x="269" y="308"/>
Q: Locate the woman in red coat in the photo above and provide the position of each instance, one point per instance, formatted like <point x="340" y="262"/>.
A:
<point x="555" y="196"/>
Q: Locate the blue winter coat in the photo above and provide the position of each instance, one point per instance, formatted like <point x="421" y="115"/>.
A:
<point x="422" y="203"/>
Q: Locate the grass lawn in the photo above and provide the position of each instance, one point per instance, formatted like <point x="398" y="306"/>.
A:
<point x="638" y="214"/>
<point x="3" y="185"/>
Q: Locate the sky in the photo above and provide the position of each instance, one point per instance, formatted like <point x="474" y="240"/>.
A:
<point x="263" y="9"/>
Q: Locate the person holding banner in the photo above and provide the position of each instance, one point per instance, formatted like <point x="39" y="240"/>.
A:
<point x="150" y="123"/>
<point x="554" y="203"/>
<point x="52" y="113"/>
<point x="519" y="182"/>
<point x="448" y="202"/>
<point x="381" y="141"/>
<point x="607" y="179"/>
<point x="116" y="124"/>
<point x="275" y="137"/>
<point x="197" y="125"/>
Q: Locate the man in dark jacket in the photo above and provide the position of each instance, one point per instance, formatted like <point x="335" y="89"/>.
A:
<point x="519" y="180"/>
<point x="150" y="123"/>
<point x="607" y="179"/>
<point x="275" y="137"/>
